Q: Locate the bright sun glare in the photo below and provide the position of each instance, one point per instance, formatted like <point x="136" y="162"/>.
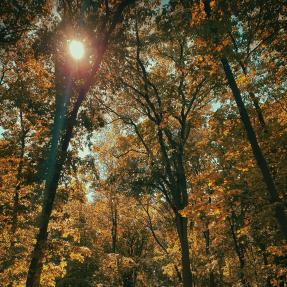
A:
<point x="76" y="49"/>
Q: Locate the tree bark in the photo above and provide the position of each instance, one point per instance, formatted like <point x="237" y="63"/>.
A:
<point x="274" y="199"/>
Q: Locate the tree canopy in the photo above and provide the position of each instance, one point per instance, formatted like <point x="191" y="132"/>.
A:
<point x="154" y="154"/>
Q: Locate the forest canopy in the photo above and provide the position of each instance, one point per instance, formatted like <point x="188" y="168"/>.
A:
<point x="143" y="143"/>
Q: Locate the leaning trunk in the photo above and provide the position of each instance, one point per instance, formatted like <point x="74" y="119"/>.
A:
<point x="255" y="101"/>
<point x="259" y="157"/>
<point x="54" y="166"/>
<point x="57" y="161"/>
<point x="258" y="111"/>
<point x="35" y="269"/>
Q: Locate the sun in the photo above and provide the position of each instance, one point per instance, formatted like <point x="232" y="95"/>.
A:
<point x="77" y="49"/>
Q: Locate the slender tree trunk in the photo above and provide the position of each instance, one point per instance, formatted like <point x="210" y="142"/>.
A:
<point x="254" y="100"/>
<point x="220" y="257"/>
<point x="239" y="254"/>
<point x="157" y="240"/>
<point x="53" y="172"/>
<point x="16" y="199"/>
<point x="181" y="224"/>
<point x="206" y="234"/>
<point x="180" y="201"/>
<point x="114" y="218"/>
<point x="258" y="111"/>
<point x="18" y="184"/>
<point x="274" y="199"/>
<point x="36" y="264"/>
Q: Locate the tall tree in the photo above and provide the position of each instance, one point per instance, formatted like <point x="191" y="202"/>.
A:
<point x="164" y="100"/>
<point x="58" y="154"/>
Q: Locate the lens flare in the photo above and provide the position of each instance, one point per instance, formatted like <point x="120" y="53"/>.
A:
<point x="77" y="49"/>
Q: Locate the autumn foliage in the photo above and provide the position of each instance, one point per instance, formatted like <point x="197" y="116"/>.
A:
<point x="159" y="159"/>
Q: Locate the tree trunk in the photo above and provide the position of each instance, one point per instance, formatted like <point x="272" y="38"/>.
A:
<point x="16" y="199"/>
<point x="206" y="234"/>
<point x="53" y="172"/>
<point x="18" y="184"/>
<point x="239" y="254"/>
<point x="35" y="269"/>
<point x="254" y="100"/>
<point x="181" y="224"/>
<point x="258" y="111"/>
<point x="259" y="157"/>
<point x="114" y="219"/>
